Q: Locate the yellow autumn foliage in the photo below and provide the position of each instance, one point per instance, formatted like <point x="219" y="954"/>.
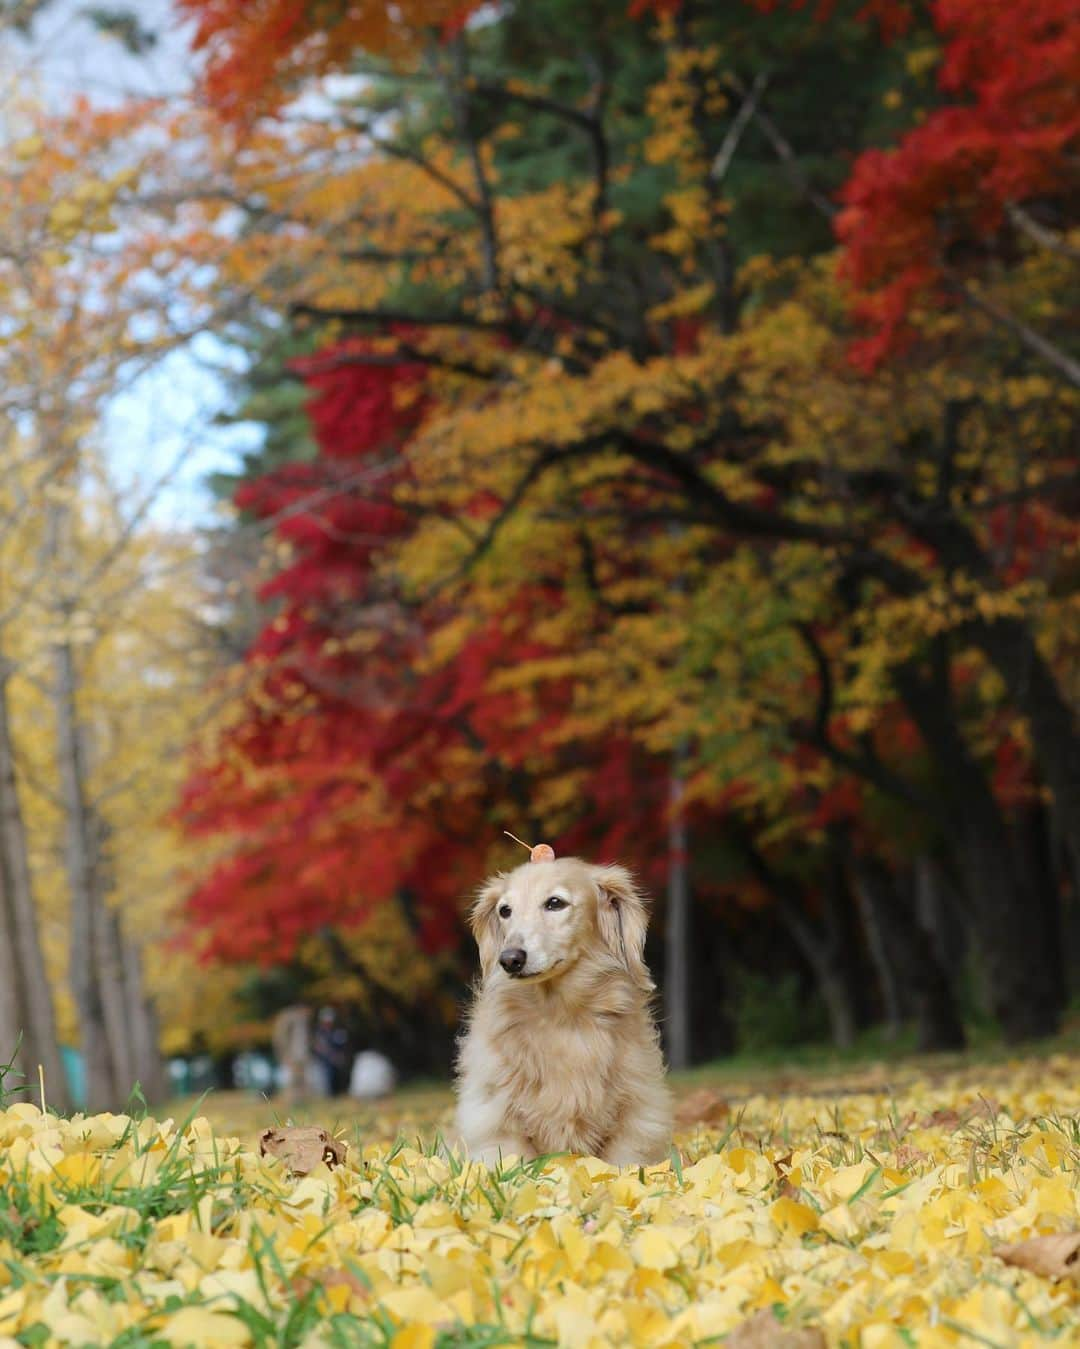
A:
<point x="868" y="1210"/>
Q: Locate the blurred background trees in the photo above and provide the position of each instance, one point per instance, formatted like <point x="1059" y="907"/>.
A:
<point x="668" y="426"/>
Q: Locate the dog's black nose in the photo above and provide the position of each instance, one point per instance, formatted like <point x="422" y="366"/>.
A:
<point x="513" y="960"/>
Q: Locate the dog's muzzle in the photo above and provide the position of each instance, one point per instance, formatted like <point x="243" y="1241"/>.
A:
<point x="513" y="959"/>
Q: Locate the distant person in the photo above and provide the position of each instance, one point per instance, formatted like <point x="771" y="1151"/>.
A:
<point x="330" y="1047"/>
<point x="372" y="1076"/>
<point x="292" y="1049"/>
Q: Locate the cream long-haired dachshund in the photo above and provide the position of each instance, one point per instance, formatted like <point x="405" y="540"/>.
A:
<point x="562" y="1053"/>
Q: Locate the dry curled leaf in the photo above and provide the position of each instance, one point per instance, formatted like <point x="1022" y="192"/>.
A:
<point x="982" y="1107"/>
<point x="302" y="1284"/>
<point x="1056" y="1257"/>
<point x="764" y="1331"/>
<point x="22" y="1225"/>
<point x="302" y="1147"/>
<point x="784" y="1187"/>
<point x="941" y="1119"/>
<point x="704" y="1106"/>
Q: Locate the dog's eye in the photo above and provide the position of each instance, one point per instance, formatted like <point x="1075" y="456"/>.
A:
<point x="504" y="910"/>
<point x="555" y="903"/>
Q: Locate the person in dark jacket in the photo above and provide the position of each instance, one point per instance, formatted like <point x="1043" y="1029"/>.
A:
<point x="330" y="1048"/>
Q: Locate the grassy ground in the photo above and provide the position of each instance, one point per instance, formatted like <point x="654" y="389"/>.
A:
<point x="873" y="1065"/>
<point x="860" y="1203"/>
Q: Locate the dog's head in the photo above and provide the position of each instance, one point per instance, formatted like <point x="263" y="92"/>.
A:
<point x="538" y="921"/>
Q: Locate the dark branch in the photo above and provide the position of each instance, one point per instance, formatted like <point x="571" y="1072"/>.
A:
<point x="1048" y="351"/>
<point x="360" y="315"/>
<point x="737" y="516"/>
<point x="591" y="123"/>
<point x="866" y="765"/>
<point x="786" y="154"/>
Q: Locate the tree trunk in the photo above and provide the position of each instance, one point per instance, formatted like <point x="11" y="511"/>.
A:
<point x="84" y="960"/>
<point x="1035" y="857"/>
<point x="1012" y="649"/>
<point x="1068" y="868"/>
<point x="711" y="1031"/>
<point x="80" y="843"/>
<point x="147" y="1063"/>
<point x="939" y="912"/>
<point x="31" y="986"/>
<point x="819" y="952"/>
<point x="910" y="954"/>
<point x="1013" y="949"/>
<point x="11" y="1012"/>
<point x="124" y="1008"/>
<point x="114" y="1005"/>
<point x="836" y="994"/>
<point x="677" y="935"/>
<point x="1055" y="736"/>
<point x="841" y="917"/>
<point x="878" y="933"/>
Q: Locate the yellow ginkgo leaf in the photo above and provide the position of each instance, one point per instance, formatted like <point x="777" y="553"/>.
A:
<point x="415" y="1336"/>
<point x="198" y="1326"/>
<point x="654" y="1250"/>
<point x="792" y="1217"/>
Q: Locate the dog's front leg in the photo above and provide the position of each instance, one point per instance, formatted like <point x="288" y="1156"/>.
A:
<point x="499" y="1149"/>
<point x="633" y="1152"/>
<point x="642" y="1143"/>
<point x="489" y="1151"/>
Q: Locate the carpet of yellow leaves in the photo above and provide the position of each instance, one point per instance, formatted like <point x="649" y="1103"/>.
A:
<point x="870" y="1212"/>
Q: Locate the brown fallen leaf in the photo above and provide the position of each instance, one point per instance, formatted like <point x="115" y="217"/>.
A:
<point x="984" y="1107"/>
<point x="302" y="1284"/>
<point x="21" y="1224"/>
<point x="764" y="1331"/>
<point x="784" y="1187"/>
<point x="908" y="1155"/>
<point x="704" y="1106"/>
<point x="1056" y="1257"/>
<point x="302" y="1147"/>
<point x="941" y="1119"/>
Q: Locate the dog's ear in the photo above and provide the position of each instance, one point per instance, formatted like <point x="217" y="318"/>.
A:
<point x="623" y="918"/>
<point x="483" y="921"/>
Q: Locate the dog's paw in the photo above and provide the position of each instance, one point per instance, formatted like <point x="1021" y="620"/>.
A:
<point x="499" y="1153"/>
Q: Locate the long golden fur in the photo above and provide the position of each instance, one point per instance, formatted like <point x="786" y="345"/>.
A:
<point x="563" y="1054"/>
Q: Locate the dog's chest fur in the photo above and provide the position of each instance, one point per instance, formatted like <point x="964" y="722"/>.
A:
<point x="558" y="1075"/>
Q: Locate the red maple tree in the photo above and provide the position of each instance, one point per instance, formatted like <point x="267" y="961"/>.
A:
<point x="338" y="785"/>
<point x="1006" y="137"/>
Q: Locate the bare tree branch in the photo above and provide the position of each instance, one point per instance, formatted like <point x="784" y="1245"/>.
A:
<point x="485" y="207"/>
<point x="1052" y="354"/>
<point x="1040" y="234"/>
<point x="362" y="315"/>
<point x="740" y="122"/>
<point x="787" y="156"/>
